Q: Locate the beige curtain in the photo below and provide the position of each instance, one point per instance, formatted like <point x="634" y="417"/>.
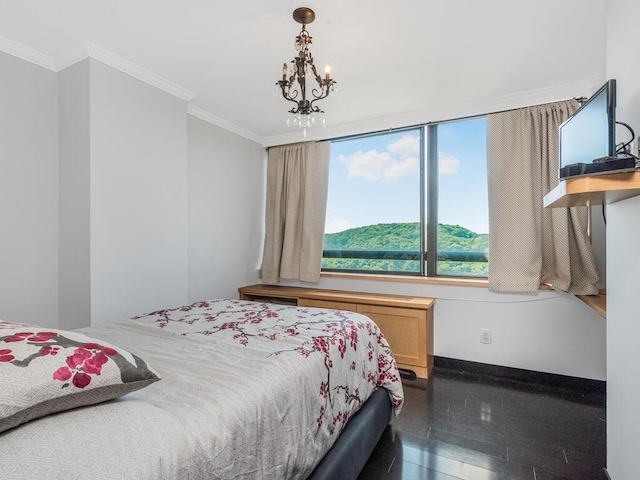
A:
<point x="529" y="244"/>
<point x="297" y="179"/>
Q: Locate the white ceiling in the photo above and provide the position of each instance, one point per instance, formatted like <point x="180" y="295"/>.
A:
<point x="389" y="58"/>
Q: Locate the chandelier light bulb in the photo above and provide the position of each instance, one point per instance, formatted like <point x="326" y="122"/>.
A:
<point x="327" y="71"/>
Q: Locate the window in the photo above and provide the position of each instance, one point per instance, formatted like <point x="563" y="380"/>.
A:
<point x="392" y="195"/>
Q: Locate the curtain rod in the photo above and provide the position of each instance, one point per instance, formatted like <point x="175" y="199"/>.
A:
<point x="419" y="125"/>
<point x="343" y="138"/>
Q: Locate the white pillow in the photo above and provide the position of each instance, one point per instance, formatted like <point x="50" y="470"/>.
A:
<point x="43" y="371"/>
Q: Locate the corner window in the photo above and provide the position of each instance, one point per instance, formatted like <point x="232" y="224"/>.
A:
<point x="410" y="202"/>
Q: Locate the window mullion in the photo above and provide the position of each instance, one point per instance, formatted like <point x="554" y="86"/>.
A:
<point x="432" y="200"/>
<point x="423" y="239"/>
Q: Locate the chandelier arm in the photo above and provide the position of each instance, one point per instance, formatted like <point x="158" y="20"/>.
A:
<point x="320" y="93"/>
<point x="291" y="98"/>
<point x="296" y="109"/>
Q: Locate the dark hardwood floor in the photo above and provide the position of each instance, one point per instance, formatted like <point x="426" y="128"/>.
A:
<point x="478" y="427"/>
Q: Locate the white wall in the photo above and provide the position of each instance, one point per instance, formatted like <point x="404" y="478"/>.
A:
<point x="74" y="212"/>
<point x="138" y="196"/>
<point x="547" y="331"/>
<point x="226" y="210"/>
<point x="28" y="193"/>
<point x="623" y="260"/>
<point x="94" y="202"/>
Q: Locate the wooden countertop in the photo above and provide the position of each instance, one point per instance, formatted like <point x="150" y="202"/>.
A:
<point x="390" y="300"/>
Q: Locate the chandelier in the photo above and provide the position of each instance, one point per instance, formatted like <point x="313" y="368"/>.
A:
<point x="301" y="83"/>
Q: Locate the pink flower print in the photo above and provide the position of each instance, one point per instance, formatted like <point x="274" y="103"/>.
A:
<point x="84" y="363"/>
<point x="94" y="346"/>
<point x="49" y="350"/>
<point x="42" y="337"/>
<point x="228" y="325"/>
<point x="319" y="419"/>
<point x="94" y="364"/>
<point x="18" y="337"/>
<point x="270" y="313"/>
<point x="63" y="374"/>
<point x="324" y="389"/>
<point x="342" y="348"/>
<point x="5" y="355"/>
<point x="78" y="358"/>
<point x="109" y="351"/>
<point x="81" y="380"/>
<point x="382" y="363"/>
<point x="320" y="344"/>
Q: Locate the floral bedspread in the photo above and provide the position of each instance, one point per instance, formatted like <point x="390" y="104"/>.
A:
<point x="248" y="390"/>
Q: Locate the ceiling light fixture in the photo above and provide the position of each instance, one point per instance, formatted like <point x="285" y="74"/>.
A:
<point x="294" y="85"/>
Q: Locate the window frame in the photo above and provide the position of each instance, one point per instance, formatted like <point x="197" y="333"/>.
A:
<point x="429" y="203"/>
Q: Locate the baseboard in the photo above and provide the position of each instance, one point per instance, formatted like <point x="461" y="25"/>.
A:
<point x="519" y="375"/>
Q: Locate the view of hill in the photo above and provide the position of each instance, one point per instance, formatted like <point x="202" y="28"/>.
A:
<point x="406" y="237"/>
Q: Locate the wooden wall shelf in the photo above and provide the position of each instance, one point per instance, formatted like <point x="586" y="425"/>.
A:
<point x="593" y="190"/>
<point x="596" y="302"/>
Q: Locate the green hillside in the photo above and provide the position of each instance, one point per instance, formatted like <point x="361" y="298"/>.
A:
<point x="406" y="237"/>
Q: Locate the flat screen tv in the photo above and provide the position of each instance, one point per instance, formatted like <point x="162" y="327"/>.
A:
<point x="589" y="135"/>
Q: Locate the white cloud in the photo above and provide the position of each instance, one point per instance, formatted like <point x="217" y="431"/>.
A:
<point x="447" y="164"/>
<point x="406" y="146"/>
<point x="336" y="225"/>
<point x="397" y="161"/>
<point x="369" y="165"/>
<point x="408" y="166"/>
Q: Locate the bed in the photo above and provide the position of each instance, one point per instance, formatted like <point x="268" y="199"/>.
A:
<point x="246" y="390"/>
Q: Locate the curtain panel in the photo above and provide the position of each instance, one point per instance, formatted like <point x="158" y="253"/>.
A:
<point x="530" y="244"/>
<point x="297" y="182"/>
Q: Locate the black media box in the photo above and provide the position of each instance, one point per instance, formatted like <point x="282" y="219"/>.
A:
<point x="618" y="165"/>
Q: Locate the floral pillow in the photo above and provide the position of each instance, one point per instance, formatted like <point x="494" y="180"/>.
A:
<point x="43" y="371"/>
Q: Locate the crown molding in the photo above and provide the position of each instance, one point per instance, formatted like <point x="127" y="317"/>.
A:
<point x="71" y="58"/>
<point x="26" y="53"/>
<point x="222" y="123"/>
<point x="92" y="50"/>
<point x="136" y="71"/>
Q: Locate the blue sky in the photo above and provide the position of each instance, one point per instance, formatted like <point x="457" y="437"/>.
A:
<point x="376" y="179"/>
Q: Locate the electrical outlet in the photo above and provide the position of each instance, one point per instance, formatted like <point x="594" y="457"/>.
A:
<point x="485" y="335"/>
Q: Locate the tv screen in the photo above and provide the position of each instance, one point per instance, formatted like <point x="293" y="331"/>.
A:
<point x="589" y="134"/>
